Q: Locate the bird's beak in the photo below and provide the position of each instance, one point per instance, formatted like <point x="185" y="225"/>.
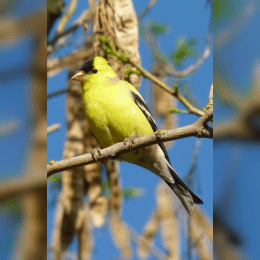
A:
<point x="79" y="76"/>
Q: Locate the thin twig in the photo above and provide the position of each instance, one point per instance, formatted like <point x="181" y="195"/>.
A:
<point x="55" y="66"/>
<point x="53" y="41"/>
<point x="170" y="90"/>
<point x="53" y="128"/>
<point x="211" y="95"/>
<point x="147" y="9"/>
<point x="9" y="127"/>
<point x="64" y="20"/>
<point x="198" y="129"/>
<point x="154" y="250"/>
<point x="205" y="55"/>
<point x="82" y="19"/>
<point x="57" y="93"/>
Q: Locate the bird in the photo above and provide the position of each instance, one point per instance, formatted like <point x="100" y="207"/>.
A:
<point x="116" y="112"/>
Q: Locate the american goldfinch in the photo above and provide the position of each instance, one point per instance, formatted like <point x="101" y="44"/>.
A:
<point x="117" y="112"/>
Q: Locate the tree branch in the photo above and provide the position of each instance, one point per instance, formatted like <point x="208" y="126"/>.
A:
<point x="198" y="129"/>
<point x="208" y="116"/>
<point x="21" y="186"/>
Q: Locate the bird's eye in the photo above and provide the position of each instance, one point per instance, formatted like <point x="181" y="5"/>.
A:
<point x="94" y="70"/>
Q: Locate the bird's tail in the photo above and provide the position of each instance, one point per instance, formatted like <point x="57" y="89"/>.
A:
<point x="184" y="193"/>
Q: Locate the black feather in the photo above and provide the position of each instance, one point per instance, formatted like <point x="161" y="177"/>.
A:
<point x="142" y="105"/>
<point x="87" y="66"/>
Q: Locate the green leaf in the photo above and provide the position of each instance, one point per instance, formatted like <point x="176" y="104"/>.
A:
<point x="55" y="178"/>
<point x="193" y="41"/>
<point x="132" y="192"/>
<point x="11" y="207"/>
<point x="176" y="110"/>
<point x="223" y="9"/>
<point x="130" y="71"/>
<point x="159" y="28"/>
<point x="176" y="87"/>
<point x="185" y="49"/>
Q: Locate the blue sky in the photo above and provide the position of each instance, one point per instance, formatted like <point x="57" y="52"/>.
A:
<point x="15" y="104"/>
<point x="236" y="164"/>
<point x="183" y="22"/>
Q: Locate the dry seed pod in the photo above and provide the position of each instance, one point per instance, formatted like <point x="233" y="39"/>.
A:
<point x="148" y="236"/>
<point x="203" y="246"/>
<point x="84" y="233"/>
<point x="72" y="180"/>
<point x="168" y="221"/>
<point x="63" y="231"/>
<point x="98" y="204"/>
<point x="116" y="192"/>
<point x="121" y="235"/>
<point x="119" y="230"/>
<point x="163" y="101"/>
<point x="202" y="220"/>
<point x="72" y="197"/>
<point x="117" y="20"/>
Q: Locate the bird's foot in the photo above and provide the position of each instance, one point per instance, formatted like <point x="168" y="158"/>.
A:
<point x="130" y="142"/>
<point x="94" y="153"/>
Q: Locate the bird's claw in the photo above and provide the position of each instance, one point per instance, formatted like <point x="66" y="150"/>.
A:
<point x="94" y="153"/>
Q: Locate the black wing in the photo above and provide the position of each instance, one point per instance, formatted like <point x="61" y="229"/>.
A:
<point x="142" y="105"/>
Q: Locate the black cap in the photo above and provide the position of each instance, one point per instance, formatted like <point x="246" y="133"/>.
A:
<point x="87" y="66"/>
